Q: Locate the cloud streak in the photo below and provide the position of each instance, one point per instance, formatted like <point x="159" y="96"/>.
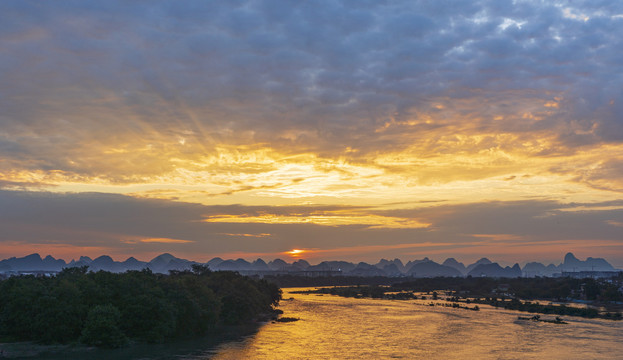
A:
<point x="123" y="225"/>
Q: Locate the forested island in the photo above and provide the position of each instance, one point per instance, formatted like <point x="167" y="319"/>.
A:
<point x="513" y="294"/>
<point x="111" y="309"/>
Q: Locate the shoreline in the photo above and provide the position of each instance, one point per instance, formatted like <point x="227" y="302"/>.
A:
<point x="216" y="337"/>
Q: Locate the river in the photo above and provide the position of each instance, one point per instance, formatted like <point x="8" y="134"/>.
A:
<point x="332" y="327"/>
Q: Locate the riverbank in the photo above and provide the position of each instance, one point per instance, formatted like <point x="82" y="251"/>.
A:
<point x="167" y="351"/>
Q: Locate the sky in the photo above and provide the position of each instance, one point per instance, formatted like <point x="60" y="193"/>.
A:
<point x="354" y="130"/>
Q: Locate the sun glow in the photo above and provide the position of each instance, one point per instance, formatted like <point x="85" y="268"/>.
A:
<point x="295" y="253"/>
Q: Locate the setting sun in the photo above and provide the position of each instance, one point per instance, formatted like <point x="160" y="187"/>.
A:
<point x="295" y="252"/>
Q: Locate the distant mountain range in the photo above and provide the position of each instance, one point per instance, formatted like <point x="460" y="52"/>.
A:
<point x="393" y="268"/>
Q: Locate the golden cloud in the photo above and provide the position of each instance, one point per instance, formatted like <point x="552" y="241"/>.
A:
<point x="325" y="219"/>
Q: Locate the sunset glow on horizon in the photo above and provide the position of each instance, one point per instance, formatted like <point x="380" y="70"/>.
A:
<point x="339" y="130"/>
<point x="296" y="253"/>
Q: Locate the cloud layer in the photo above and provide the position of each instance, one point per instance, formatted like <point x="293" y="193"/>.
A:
<point x="120" y="225"/>
<point x="350" y="104"/>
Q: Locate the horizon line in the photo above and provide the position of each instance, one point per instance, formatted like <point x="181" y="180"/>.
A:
<point x="294" y="259"/>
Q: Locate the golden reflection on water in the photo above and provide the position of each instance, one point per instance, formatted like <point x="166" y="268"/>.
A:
<point x="332" y="327"/>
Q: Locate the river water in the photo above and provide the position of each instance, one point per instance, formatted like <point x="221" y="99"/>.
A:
<point x="332" y="327"/>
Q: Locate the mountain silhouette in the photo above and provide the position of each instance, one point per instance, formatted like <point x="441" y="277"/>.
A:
<point x="495" y="270"/>
<point x="363" y="269"/>
<point x="432" y="269"/>
<point x="483" y="261"/>
<point x="418" y="268"/>
<point x="572" y="264"/>
<point x="451" y="262"/>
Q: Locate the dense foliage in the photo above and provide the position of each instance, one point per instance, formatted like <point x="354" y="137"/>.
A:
<point x="516" y="304"/>
<point x="107" y="309"/>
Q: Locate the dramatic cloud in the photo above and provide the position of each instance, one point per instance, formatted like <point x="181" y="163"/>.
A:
<point x="121" y="225"/>
<point x="349" y="110"/>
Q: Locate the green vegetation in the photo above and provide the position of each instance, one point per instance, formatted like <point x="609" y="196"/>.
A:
<point x="516" y="304"/>
<point x="554" y="289"/>
<point x="102" y="327"/>
<point x="107" y="309"/>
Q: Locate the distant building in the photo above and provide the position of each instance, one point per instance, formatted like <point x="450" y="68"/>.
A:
<point x="590" y="274"/>
<point x="37" y="273"/>
<point x="306" y="273"/>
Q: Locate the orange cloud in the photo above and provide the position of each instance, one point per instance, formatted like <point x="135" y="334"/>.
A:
<point x="323" y="218"/>
<point x="162" y="240"/>
<point x="615" y="223"/>
<point x="165" y="241"/>
<point x="248" y="235"/>
<point x="499" y="237"/>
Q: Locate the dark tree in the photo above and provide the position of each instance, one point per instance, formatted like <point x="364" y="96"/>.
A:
<point x="102" y="327"/>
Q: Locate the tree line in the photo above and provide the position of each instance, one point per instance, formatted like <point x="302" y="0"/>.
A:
<point x="560" y="289"/>
<point x="109" y="309"/>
